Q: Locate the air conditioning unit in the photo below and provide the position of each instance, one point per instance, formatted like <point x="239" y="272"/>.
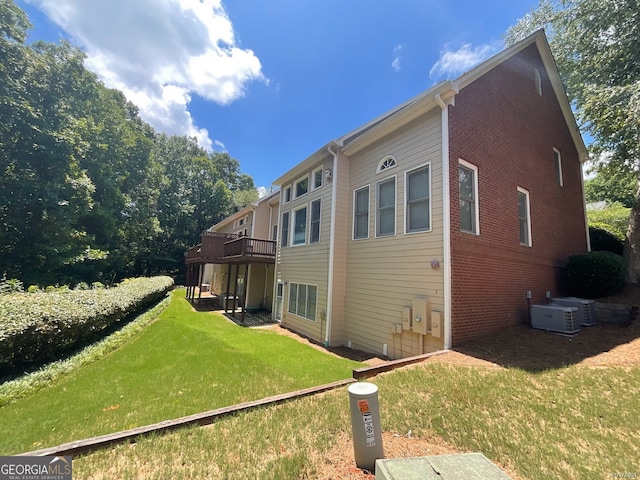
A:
<point x="555" y="318"/>
<point x="586" y="309"/>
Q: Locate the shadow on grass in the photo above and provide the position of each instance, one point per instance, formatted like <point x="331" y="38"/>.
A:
<point x="535" y="350"/>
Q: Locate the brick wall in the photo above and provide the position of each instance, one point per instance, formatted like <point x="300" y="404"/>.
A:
<point x="501" y="125"/>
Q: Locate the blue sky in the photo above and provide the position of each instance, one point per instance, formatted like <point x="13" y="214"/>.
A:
<point x="270" y="82"/>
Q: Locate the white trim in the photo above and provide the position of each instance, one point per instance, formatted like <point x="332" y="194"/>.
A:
<point x="319" y="199"/>
<point x="282" y="230"/>
<point x="315" y="316"/>
<point x="526" y="193"/>
<point x="353" y="216"/>
<point x="406" y="191"/>
<point x="295" y="186"/>
<point x="395" y="205"/>
<point x="313" y="177"/>
<point x="382" y="164"/>
<point x="476" y="193"/>
<point x="284" y="194"/>
<point x="557" y="166"/>
<point x="332" y="245"/>
<point x="306" y="225"/>
<point x="446" y="214"/>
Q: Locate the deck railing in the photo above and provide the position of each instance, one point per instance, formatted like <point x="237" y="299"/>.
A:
<point x="249" y="247"/>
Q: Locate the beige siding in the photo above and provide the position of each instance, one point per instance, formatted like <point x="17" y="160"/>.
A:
<point x="308" y="263"/>
<point x="385" y="274"/>
<point x="261" y="222"/>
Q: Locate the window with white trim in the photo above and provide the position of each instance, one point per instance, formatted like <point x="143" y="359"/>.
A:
<point x="314" y="230"/>
<point x="316" y="178"/>
<point x="274" y="232"/>
<point x="468" y="183"/>
<point x="303" y="300"/>
<point x="386" y="163"/>
<point x="386" y="208"/>
<point x="418" y="209"/>
<point x="302" y="186"/>
<point x="524" y="217"/>
<point x="557" y="163"/>
<point x="300" y="226"/>
<point x="287" y="194"/>
<point x="361" y="213"/>
<point x="284" y="236"/>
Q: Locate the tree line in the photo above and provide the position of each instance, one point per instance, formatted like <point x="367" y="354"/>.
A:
<point x="88" y="191"/>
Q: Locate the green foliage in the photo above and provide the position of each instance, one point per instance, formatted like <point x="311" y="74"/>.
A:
<point x="615" y="215"/>
<point x="88" y="191"/>
<point x="594" y="275"/>
<point x="612" y="185"/>
<point x="39" y="328"/>
<point x="605" y="238"/>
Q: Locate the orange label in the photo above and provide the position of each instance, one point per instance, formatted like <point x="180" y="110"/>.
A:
<point x="363" y="405"/>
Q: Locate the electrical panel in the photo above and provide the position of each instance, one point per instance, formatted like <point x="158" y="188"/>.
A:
<point x="421" y="312"/>
<point x="406" y="318"/>
<point x="436" y="324"/>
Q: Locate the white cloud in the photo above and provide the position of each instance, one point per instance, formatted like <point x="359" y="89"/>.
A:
<point x="159" y="53"/>
<point x="396" y="58"/>
<point x="453" y="63"/>
<point x="262" y="191"/>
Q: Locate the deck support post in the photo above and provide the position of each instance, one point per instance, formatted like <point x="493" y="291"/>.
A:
<point x="244" y="291"/>
<point x="226" y="298"/>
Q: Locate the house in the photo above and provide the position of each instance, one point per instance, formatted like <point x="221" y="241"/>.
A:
<point x="235" y="259"/>
<point x="439" y="221"/>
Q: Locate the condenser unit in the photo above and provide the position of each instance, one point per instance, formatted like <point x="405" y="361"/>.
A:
<point x="586" y="309"/>
<point x="555" y="318"/>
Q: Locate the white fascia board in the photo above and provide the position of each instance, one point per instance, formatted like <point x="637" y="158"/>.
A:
<point x="293" y="174"/>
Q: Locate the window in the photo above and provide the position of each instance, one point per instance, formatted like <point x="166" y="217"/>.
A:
<point x="302" y="186"/>
<point x="361" y="213"/>
<point x="274" y="232"/>
<point x="300" y="226"/>
<point x="303" y="300"/>
<point x="538" y="80"/>
<point x="386" y="208"/>
<point x="314" y="234"/>
<point x="241" y="221"/>
<point x="468" y="179"/>
<point x="524" y="217"/>
<point x="386" y="163"/>
<point x="284" y="237"/>
<point x="418" y="208"/>
<point x="557" y="162"/>
<point x="287" y="195"/>
<point x="317" y="178"/>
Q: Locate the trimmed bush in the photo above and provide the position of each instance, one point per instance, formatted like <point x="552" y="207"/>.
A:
<point x="594" y="275"/>
<point x="605" y="238"/>
<point x="39" y="327"/>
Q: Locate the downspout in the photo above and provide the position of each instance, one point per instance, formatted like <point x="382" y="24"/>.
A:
<point x="332" y="243"/>
<point x="446" y="211"/>
<point x="266" y="265"/>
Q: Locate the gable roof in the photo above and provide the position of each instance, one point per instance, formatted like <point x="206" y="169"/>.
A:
<point x="445" y="91"/>
<point x="246" y="210"/>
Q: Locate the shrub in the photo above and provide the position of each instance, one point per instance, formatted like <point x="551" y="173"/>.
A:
<point x="39" y="328"/>
<point x="594" y="275"/>
<point x="605" y="238"/>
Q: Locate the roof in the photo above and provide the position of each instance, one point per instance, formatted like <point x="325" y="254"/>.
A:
<point x="364" y="135"/>
<point x="248" y="209"/>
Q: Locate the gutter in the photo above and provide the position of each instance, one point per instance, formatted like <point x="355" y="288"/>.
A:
<point x="446" y="207"/>
<point x="332" y="242"/>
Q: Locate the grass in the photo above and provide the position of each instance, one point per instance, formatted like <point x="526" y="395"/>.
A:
<point x="571" y="423"/>
<point x="185" y="362"/>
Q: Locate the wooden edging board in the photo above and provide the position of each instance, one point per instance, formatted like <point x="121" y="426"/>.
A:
<point x="366" y="372"/>
<point x="204" y="418"/>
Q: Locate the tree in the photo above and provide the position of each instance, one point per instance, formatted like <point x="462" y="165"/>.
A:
<point x="612" y="184"/>
<point x="595" y="44"/>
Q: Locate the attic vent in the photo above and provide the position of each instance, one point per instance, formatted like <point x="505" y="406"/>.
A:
<point x="387" y="162"/>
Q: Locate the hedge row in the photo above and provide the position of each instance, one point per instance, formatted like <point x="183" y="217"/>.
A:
<point x="39" y="327"/>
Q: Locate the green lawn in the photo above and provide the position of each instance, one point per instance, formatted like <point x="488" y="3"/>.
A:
<point x="570" y="423"/>
<point x="183" y="363"/>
